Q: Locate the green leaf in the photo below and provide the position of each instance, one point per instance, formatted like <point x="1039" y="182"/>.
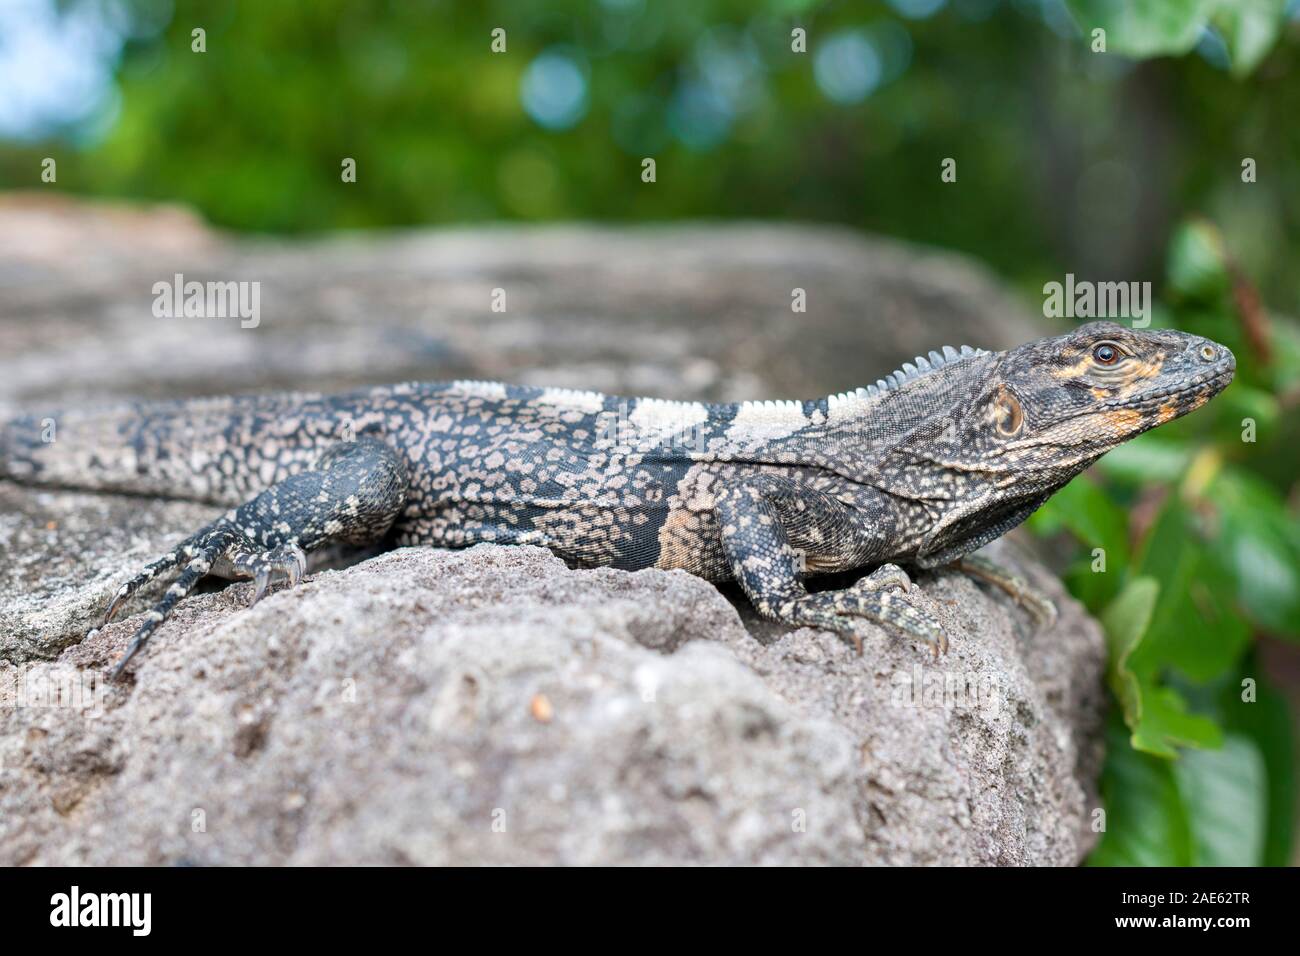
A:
<point x="1164" y="723"/>
<point x="1147" y="458"/>
<point x="1085" y="510"/>
<point x="1157" y="716"/>
<point x="1266" y="720"/>
<point x="1124" y="623"/>
<point x="1096" y="520"/>
<point x="1250" y="28"/>
<point x="1145" y="29"/>
<point x="1146" y="821"/>
<point x="1196" y="626"/>
<point x="1225" y="793"/>
<point x="1259" y="550"/>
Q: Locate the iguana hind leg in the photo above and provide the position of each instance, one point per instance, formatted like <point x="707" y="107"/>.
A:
<point x="773" y="530"/>
<point x="352" y="495"/>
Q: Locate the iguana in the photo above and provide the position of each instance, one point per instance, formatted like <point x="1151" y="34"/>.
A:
<point x="920" y="469"/>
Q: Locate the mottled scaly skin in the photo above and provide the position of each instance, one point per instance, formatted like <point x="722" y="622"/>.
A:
<point x="920" y="469"/>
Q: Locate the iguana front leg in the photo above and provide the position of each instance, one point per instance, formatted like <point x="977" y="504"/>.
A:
<point x="352" y="495"/>
<point x="773" y="530"/>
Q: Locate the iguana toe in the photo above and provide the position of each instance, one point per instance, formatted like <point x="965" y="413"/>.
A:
<point x="1038" y="604"/>
<point x="287" y="561"/>
<point x="883" y="578"/>
<point x="845" y="612"/>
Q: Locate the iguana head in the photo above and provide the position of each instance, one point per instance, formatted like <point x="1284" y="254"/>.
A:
<point x="1066" y="400"/>
<point x="997" y="433"/>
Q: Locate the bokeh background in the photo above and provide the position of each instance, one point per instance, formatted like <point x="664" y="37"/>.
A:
<point x="1124" y="165"/>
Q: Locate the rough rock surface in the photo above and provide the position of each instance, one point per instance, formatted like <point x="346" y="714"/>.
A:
<point x="492" y="705"/>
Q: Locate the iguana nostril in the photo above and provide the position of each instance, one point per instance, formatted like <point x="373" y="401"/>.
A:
<point x="1209" y="352"/>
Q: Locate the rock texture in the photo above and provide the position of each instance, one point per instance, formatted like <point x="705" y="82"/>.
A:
<point x="492" y="705"/>
<point x="699" y="312"/>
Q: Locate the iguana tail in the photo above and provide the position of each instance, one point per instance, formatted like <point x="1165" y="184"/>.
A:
<point x="220" y="450"/>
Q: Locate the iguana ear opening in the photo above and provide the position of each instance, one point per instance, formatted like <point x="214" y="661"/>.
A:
<point x="1009" y="415"/>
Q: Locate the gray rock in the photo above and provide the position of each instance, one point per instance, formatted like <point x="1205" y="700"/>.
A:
<point x="63" y="554"/>
<point x="685" y="312"/>
<point x="493" y="706"/>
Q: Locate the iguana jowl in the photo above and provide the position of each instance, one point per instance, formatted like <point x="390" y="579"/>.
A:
<point x="920" y="469"/>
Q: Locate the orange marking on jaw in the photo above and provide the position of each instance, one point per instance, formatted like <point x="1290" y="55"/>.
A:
<point x="1124" y="420"/>
<point x="1167" y="413"/>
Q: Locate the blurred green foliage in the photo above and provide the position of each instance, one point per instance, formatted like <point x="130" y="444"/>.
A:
<point x="1191" y="551"/>
<point x="1249" y="28"/>
<point x="1067" y="159"/>
<point x="1064" y="156"/>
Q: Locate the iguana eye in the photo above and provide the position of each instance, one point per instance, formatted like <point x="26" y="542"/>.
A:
<point x="1105" y="354"/>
